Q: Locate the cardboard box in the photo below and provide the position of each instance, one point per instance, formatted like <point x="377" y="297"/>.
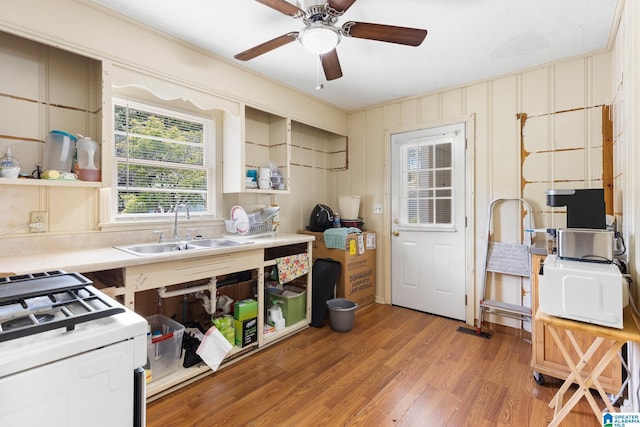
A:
<point x="246" y="331"/>
<point x="357" y="281"/>
<point x="245" y="309"/>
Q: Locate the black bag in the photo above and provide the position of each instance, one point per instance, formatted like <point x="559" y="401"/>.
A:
<point x="323" y="279"/>
<point x="190" y="344"/>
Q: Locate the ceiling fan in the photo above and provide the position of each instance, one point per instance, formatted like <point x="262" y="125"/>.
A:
<point x="321" y="36"/>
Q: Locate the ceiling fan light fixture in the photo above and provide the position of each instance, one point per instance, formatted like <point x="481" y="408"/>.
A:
<point x="319" y="38"/>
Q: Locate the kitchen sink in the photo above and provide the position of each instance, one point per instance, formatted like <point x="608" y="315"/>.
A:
<point x="179" y="246"/>
<point x="221" y="242"/>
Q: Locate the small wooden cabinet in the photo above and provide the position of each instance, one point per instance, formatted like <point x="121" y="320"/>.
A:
<point x="546" y="358"/>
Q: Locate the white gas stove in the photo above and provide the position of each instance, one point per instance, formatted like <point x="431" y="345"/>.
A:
<point x="69" y="354"/>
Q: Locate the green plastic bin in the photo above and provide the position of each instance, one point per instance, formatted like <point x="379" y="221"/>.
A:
<point x="294" y="307"/>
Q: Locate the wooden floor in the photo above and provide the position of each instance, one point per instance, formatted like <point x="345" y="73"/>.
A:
<point x="397" y="367"/>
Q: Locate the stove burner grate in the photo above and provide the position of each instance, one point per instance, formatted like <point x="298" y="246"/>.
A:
<point x="25" y="321"/>
<point x="34" y="303"/>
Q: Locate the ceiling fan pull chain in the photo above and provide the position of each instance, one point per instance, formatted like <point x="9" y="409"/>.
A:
<point x="319" y="85"/>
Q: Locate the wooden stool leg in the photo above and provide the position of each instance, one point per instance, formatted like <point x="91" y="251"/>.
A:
<point x="561" y="410"/>
<point x="592" y="379"/>
<point x="584" y="359"/>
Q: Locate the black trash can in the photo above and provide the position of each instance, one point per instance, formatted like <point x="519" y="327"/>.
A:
<point x="324" y="277"/>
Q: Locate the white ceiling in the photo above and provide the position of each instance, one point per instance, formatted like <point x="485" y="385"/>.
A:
<point x="467" y="40"/>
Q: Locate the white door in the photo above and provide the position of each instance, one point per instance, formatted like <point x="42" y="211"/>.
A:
<point x="428" y="220"/>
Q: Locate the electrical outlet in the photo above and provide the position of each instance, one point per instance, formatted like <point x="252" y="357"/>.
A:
<point x="39" y="218"/>
<point x="377" y="209"/>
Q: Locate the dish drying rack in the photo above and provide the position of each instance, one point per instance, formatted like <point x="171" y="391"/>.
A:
<point x="260" y="222"/>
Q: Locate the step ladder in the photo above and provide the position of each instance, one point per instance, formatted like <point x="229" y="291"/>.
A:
<point x="505" y="258"/>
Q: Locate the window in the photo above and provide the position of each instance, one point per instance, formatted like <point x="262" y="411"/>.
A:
<point x="427" y="195"/>
<point x="162" y="158"/>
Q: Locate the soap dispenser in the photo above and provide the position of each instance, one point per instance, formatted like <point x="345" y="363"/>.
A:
<point x="9" y="165"/>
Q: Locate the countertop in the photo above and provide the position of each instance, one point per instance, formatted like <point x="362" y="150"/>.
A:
<point x="105" y="258"/>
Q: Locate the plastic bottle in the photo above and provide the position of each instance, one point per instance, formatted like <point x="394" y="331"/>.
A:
<point x="88" y="159"/>
<point x="336" y="220"/>
<point x="9" y="165"/>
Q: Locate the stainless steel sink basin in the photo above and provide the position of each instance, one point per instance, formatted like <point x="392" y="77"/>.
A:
<point x="167" y="247"/>
<point x="221" y="242"/>
<point x="155" y="248"/>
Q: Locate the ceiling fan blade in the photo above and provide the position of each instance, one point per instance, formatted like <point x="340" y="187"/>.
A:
<point x="384" y="33"/>
<point x="331" y="65"/>
<point x="341" y="5"/>
<point x="266" y="46"/>
<point x="283" y="6"/>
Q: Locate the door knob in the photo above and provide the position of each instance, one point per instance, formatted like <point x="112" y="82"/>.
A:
<point x="396" y="233"/>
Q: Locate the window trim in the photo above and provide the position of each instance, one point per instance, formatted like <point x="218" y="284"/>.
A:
<point x="210" y="123"/>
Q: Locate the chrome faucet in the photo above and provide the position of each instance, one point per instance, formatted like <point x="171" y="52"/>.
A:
<point x="175" y="221"/>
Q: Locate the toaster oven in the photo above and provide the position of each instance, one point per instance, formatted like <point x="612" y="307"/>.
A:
<point x="585" y="244"/>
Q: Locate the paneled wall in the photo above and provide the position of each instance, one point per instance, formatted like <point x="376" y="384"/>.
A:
<point x="626" y="130"/>
<point x="626" y="149"/>
<point x="41" y="89"/>
<point x="578" y="85"/>
<point x="97" y="37"/>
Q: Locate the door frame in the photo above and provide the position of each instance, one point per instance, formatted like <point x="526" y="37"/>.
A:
<point x="470" y="288"/>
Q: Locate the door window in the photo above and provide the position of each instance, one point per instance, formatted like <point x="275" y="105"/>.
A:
<point x="427" y="183"/>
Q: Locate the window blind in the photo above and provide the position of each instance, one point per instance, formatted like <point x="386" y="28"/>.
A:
<point x="161" y="159"/>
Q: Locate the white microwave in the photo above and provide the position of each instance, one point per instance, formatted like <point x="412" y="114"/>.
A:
<point x="585" y="291"/>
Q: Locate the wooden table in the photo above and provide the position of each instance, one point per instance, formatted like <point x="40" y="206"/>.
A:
<point x="585" y="381"/>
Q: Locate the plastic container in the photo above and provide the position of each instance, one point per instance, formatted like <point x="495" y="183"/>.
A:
<point x="9" y="165"/>
<point x="349" y="206"/>
<point x="293" y="306"/>
<point x="342" y="314"/>
<point x="59" y="148"/>
<point x="88" y="159"/>
<point x="164" y="346"/>
<point x="230" y="226"/>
